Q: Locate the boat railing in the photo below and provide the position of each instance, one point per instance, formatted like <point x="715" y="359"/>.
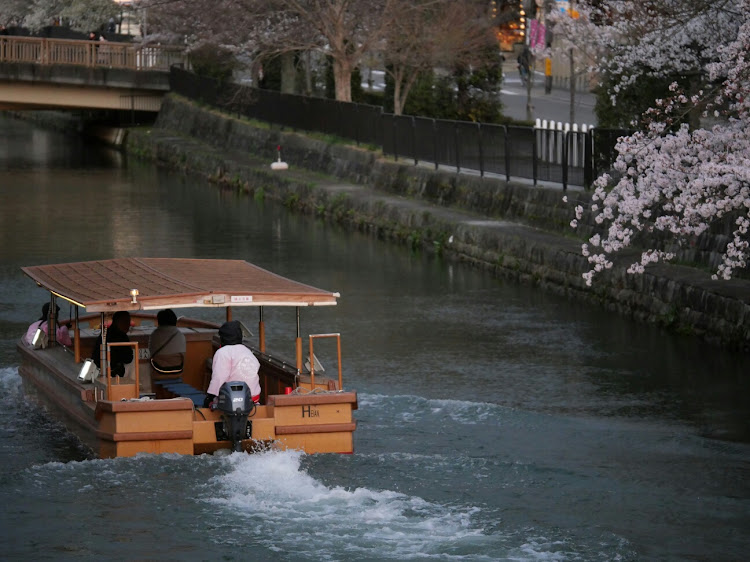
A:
<point x="282" y="364"/>
<point x="312" y="357"/>
<point x="126" y="391"/>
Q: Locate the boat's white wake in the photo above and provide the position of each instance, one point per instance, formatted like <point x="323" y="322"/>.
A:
<point x="11" y="391"/>
<point x="288" y="510"/>
<point x="10" y="380"/>
<point x="408" y="408"/>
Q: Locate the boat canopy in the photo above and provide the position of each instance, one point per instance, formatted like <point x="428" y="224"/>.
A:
<point x="155" y="283"/>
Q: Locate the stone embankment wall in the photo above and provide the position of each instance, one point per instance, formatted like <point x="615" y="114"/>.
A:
<point x="515" y="230"/>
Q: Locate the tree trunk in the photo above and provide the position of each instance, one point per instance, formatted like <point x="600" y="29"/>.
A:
<point x="398" y="104"/>
<point x="408" y="82"/>
<point x="342" y="76"/>
<point x="288" y="74"/>
<point x="308" y="74"/>
<point x="572" y="88"/>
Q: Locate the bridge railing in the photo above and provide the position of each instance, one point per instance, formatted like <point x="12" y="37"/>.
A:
<point x="107" y="54"/>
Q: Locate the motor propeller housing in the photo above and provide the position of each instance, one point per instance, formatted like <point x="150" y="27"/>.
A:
<point x="235" y="404"/>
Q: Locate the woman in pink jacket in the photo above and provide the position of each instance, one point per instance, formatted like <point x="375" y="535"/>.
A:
<point x="61" y="334"/>
<point x="233" y="361"/>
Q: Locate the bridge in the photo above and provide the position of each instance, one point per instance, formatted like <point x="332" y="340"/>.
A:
<point x="38" y="73"/>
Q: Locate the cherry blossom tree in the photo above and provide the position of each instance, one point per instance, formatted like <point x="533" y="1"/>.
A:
<point x="81" y="15"/>
<point x="12" y="12"/>
<point x="671" y="177"/>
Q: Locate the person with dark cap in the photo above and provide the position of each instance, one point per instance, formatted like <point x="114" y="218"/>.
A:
<point x="121" y="355"/>
<point x="61" y="334"/>
<point x="233" y="361"/>
<point x="167" y="344"/>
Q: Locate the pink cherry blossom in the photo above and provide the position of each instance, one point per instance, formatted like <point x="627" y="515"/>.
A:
<point x="672" y="178"/>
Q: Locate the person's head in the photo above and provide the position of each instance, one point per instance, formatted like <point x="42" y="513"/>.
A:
<point x="230" y="333"/>
<point x="166" y="317"/>
<point x="45" y="311"/>
<point x="121" y="320"/>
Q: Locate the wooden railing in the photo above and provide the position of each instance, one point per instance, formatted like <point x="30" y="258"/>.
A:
<point x="89" y="53"/>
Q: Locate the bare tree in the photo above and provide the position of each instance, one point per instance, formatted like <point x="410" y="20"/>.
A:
<point x="343" y="29"/>
<point x="429" y="34"/>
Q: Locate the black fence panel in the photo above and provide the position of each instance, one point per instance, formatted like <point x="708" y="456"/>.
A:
<point x="575" y="164"/>
<point x="566" y="157"/>
<point x="469" y="148"/>
<point x="551" y="152"/>
<point x="326" y="117"/>
<point x="446" y="143"/>
<point x="347" y="121"/>
<point x="387" y="125"/>
<point x="425" y="137"/>
<point x="398" y="135"/>
<point x="603" y="149"/>
<point x="521" y="151"/>
<point x="493" y="149"/>
<point x="369" y="125"/>
<point x="192" y="86"/>
<point x="405" y="136"/>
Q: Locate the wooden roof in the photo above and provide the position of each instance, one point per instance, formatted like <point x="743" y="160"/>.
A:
<point x="105" y="286"/>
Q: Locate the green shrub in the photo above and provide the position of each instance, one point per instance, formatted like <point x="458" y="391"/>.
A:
<point x="213" y="61"/>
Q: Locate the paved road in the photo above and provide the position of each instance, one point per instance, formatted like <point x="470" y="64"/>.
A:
<point x="554" y="106"/>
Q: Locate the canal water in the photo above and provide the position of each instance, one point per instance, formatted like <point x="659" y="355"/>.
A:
<point x="496" y="422"/>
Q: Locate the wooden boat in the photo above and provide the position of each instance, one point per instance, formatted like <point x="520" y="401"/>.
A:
<point x="115" y="417"/>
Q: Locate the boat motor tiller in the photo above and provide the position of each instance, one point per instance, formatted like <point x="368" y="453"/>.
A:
<point x="236" y="404"/>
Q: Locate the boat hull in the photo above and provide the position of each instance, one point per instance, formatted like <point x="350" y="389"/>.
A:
<point x="315" y="422"/>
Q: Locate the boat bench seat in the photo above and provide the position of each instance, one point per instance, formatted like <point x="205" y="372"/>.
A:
<point x="176" y="387"/>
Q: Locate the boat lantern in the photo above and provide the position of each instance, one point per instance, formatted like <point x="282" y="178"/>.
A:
<point x="88" y="371"/>
<point x="40" y="339"/>
<point x="134" y="293"/>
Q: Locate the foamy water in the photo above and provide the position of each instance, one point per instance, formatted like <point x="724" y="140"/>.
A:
<point x="297" y="513"/>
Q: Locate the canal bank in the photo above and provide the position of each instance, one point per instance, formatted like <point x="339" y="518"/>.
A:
<point x="517" y="231"/>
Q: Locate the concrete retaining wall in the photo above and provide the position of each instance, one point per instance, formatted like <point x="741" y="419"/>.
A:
<point x="517" y="231"/>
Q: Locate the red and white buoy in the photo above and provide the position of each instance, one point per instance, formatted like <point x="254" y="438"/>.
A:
<point x="279" y="165"/>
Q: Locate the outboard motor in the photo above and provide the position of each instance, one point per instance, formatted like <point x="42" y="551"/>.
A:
<point x="236" y="404"/>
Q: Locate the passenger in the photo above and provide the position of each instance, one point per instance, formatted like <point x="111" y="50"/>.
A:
<point x="120" y="356"/>
<point x="167" y="344"/>
<point x="233" y="362"/>
<point x="61" y="334"/>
